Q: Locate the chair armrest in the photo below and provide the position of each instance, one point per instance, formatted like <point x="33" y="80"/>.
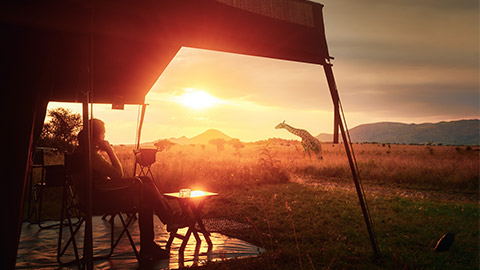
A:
<point x="118" y="184"/>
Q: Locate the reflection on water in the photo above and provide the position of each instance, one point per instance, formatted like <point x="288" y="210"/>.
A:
<point x="38" y="248"/>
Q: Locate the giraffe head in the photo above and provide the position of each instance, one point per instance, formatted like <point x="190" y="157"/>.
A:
<point x="281" y="125"/>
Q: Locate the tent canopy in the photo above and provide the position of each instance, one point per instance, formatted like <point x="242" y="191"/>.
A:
<point x="133" y="43"/>
<point x="116" y="49"/>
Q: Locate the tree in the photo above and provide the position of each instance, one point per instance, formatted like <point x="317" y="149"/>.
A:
<point x="219" y="143"/>
<point x="237" y="144"/>
<point x="163" y="145"/>
<point x="61" y="130"/>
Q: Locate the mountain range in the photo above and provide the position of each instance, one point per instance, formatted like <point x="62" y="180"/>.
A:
<point x="202" y="138"/>
<point x="461" y="132"/>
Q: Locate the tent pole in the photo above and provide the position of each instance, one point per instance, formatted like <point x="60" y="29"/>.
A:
<point x="346" y="142"/>
<point x="88" y="237"/>
<point x="336" y="101"/>
<point x="140" y="125"/>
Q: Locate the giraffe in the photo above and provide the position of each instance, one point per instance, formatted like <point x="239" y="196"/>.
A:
<point x="309" y="142"/>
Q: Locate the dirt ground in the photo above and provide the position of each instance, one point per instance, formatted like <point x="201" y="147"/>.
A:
<point x="376" y="190"/>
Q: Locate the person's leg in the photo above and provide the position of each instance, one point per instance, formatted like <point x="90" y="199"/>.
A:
<point x="149" y="250"/>
<point x="124" y="194"/>
<point x="154" y="198"/>
<point x="145" y="220"/>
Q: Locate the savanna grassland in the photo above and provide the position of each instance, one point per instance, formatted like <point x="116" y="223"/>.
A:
<point x="305" y="212"/>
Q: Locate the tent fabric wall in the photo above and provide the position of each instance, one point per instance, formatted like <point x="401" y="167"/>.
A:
<point x="23" y="80"/>
<point x="53" y="48"/>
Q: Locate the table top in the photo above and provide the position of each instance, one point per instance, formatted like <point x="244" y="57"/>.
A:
<point x="193" y="194"/>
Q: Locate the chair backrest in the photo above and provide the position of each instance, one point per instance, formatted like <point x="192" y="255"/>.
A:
<point x="76" y="176"/>
<point x="104" y="201"/>
<point x="38" y="157"/>
<point x="55" y="175"/>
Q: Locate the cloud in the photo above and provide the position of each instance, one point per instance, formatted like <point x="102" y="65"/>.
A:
<point x="395" y="91"/>
<point x="405" y="59"/>
<point x="442" y="32"/>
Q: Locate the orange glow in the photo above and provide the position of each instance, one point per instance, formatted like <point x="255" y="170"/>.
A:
<point x="193" y="194"/>
<point x="197" y="193"/>
<point x="197" y="99"/>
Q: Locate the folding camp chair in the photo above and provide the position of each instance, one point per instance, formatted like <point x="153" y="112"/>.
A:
<point x="37" y="161"/>
<point x="74" y="180"/>
<point x="51" y="176"/>
<point x="54" y="177"/>
<point x="144" y="159"/>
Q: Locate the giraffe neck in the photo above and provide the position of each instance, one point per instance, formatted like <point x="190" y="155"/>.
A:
<point x="296" y="131"/>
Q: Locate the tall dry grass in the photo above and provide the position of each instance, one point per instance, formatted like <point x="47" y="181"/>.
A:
<point x="420" y="166"/>
<point x="432" y="167"/>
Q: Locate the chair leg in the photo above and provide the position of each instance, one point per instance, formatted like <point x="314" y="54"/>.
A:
<point x="66" y="214"/>
<point x="62" y="217"/>
<point x="71" y="240"/>
<point x="112" y="234"/>
<point x="35" y="205"/>
<point x="66" y="205"/>
<point x="73" y="233"/>
<point x="30" y="208"/>
<point x="39" y="207"/>
<point x="125" y="229"/>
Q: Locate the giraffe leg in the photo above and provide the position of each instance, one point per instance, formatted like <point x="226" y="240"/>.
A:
<point x="319" y="152"/>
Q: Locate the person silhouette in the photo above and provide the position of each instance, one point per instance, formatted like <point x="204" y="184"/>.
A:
<point x="111" y="187"/>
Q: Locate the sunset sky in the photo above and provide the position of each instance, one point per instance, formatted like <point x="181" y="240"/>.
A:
<point x="399" y="61"/>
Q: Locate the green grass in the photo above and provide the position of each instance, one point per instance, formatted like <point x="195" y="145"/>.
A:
<point x="329" y="229"/>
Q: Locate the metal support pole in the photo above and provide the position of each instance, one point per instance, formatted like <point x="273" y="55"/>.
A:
<point x="336" y="99"/>
<point x="88" y="240"/>
<point x="140" y="125"/>
<point x="336" y="108"/>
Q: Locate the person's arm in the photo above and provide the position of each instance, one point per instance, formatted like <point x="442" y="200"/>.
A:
<point x="113" y="169"/>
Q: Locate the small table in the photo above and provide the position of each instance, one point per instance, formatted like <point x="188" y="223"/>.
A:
<point x="195" y="203"/>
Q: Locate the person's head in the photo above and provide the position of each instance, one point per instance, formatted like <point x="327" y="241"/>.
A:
<point x="98" y="133"/>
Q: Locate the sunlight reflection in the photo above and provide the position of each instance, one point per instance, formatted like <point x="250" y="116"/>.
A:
<point x="197" y="193"/>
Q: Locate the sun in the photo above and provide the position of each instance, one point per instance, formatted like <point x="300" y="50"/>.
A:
<point x="197" y="99"/>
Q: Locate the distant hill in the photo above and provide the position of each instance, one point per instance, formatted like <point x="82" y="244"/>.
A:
<point x="462" y="132"/>
<point x="202" y="138"/>
<point x="180" y="140"/>
<point x="324" y="137"/>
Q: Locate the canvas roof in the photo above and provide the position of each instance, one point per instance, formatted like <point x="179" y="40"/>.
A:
<point x="133" y="43"/>
<point x="56" y="50"/>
